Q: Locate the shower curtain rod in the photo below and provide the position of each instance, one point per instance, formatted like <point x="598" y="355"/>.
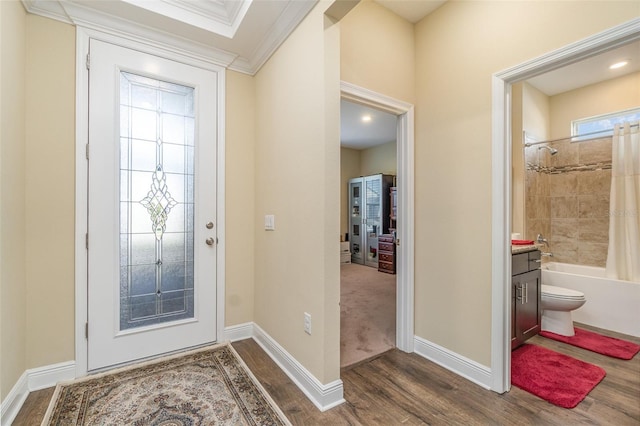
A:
<point x="527" y="144"/>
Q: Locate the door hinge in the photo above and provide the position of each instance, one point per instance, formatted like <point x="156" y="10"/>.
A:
<point x="88" y="61"/>
<point x="86" y="240"/>
<point x="86" y="330"/>
<point x="86" y="151"/>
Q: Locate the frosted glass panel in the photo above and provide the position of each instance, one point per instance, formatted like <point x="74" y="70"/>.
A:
<point x="373" y="187"/>
<point x="156" y="201"/>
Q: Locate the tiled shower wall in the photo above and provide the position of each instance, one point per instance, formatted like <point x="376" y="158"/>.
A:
<point x="570" y="208"/>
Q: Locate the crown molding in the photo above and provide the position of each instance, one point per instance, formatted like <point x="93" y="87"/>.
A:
<point x="83" y="15"/>
<point x="288" y="21"/>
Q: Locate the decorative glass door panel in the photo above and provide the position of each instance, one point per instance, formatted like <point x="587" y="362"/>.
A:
<point x="152" y="252"/>
<point x="157" y="135"/>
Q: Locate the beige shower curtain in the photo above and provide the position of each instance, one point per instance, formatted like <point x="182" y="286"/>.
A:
<point x="623" y="259"/>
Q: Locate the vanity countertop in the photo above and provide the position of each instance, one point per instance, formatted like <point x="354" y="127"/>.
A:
<point x="524" y="249"/>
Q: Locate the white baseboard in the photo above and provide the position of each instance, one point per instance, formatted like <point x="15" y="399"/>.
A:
<point x="238" y="332"/>
<point x="50" y="375"/>
<point x="15" y="398"/>
<point x="322" y="396"/>
<point x="32" y="380"/>
<point x="462" y="366"/>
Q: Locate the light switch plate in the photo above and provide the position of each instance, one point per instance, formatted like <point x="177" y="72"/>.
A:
<point x="269" y="222"/>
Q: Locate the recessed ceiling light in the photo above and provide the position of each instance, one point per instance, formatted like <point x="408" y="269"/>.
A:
<point x="618" y="65"/>
<point x="366" y="118"/>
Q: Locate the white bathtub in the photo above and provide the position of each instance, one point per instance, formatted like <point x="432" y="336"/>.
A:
<point x="611" y="304"/>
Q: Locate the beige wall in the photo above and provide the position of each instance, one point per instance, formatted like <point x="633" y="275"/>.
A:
<point x="453" y="148"/>
<point x="240" y="197"/>
<point x="535" y="121"/>
<point x="536" y="113"/>
<point x="13" y="309"/>
<point x="517" y="161"/>
<point x="297" y="265"/>
<point x="50" y="198"/>
<point x="379" y="159"/>
<point x="349" y="168"/>
<point x="610" y="96"/>
<point x="377" y="51"/>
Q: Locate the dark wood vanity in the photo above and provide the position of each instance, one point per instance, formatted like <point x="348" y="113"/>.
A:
<point x="526" y="292"/>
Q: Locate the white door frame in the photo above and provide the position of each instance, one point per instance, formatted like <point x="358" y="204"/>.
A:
<point x="501" y="181"/>
<point x="83" y="35"/>
<point x="405" y="179"/>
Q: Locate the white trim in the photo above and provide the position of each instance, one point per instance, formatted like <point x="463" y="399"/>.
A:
<point x="456" y="363"/>
<point x="32" y="380"/>
<point x="82" y="202"/>
<point x="322" y="396"/>
<point x="49" y="375"/>
<point x="12" y="404"/>
<point x="405" y="178"/>
<point x="293" y="14"/>
<point x="501" y="234"/>
<point x="238" y="332"/>
<point x="501" y="179"/>
<point x="221" y="205"/>
<point x="83" y="35"/>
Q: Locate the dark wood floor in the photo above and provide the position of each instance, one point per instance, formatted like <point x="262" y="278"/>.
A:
<point x="405" y="389"/>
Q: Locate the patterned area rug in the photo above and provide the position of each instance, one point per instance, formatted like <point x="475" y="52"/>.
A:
<point x="202" y="387"/>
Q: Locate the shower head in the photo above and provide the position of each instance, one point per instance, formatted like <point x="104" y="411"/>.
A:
<point x="552" y="151"/>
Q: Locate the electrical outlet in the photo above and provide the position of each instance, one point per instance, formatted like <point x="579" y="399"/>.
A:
<point x="307" y="323"/>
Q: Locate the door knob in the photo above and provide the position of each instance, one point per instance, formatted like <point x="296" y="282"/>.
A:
<point x="209" y="225"/>
<point x="210" y="241"/>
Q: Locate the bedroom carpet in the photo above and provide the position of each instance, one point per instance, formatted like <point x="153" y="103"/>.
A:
<point x="367" y="313"/>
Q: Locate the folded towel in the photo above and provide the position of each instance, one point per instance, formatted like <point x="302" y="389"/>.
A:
<point x="521" y="242"/>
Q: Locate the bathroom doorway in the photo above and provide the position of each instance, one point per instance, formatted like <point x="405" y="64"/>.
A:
<point x="503" y="184"/>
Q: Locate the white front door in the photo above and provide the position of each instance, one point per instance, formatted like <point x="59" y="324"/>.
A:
<point x="152" y="205"/>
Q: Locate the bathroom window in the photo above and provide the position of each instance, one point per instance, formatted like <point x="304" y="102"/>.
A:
<point x="602" y="125"/>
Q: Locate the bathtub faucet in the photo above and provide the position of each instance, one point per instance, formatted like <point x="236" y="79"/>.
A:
<point x="542" y="253"/>
<point x="542" y="240"/>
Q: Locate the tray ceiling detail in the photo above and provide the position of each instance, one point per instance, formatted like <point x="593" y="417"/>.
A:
<point x="217" y="16"/>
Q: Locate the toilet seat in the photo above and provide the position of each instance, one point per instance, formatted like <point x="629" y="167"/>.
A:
<point x="561" y="293"/>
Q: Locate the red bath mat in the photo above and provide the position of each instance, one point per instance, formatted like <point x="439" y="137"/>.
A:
<point x="554" y="377"/>
<point x="598" y="343"/>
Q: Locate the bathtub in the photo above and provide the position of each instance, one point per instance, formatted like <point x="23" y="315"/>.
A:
<point x="611" y="304"/>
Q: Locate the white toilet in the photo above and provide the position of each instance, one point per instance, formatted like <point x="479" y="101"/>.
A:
<point x="557" y="304"/>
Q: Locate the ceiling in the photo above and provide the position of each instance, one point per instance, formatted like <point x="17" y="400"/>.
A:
<point x="358" y="134"/>
<point x="411" y="10"/>
<point x="589" y="71"/>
